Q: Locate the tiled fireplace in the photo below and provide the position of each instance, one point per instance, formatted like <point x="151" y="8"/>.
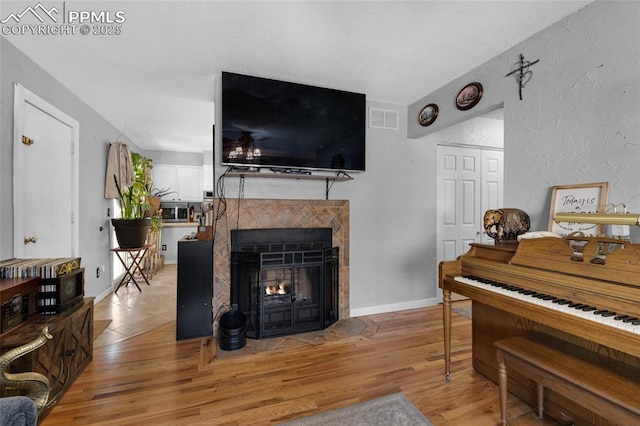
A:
<point x="269" y="214"/>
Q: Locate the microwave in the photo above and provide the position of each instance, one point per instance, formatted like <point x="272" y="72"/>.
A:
<point x="175" y="212"/>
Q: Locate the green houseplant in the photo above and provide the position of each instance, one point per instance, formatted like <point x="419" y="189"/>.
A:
<point x="155" y="197"/>
<point x="133" y="225"/>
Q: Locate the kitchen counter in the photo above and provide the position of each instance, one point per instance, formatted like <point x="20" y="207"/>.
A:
<point x="180" y="224"/>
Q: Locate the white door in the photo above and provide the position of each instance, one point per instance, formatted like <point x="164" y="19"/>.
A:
<point x="492" y="184"/>
<point x="45" y="179"/>
<point x="470" y="182"/>
<point x="459" y="221"/>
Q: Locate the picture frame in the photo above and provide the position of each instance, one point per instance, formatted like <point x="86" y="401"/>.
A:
<point x="469" y="96"/>
<point x="583" y="198"/>
<point x="428" y="115"/>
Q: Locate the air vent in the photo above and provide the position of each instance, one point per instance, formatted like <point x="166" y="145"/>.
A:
<point x="383" y="119"/>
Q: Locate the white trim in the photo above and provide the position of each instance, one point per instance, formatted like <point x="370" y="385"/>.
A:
<point x="22" y="96"/>
<point x="102" y="295"/>
<point x="381" y="309"/>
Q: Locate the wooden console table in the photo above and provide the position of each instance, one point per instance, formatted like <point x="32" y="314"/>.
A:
<point x="63" y="358"/>
<point x="11" y="288"/>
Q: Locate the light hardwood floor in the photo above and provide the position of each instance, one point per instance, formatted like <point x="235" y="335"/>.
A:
<point x="140" y="375"/>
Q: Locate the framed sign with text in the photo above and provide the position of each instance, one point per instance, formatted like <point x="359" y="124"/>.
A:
<point x="580" y="198"/>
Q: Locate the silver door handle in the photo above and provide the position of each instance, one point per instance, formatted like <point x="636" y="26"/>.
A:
<point x="28" y="240"/>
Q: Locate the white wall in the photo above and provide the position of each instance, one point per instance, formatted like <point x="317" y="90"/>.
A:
<point x="392" y="256"/>
<point x="476" y="132"/>
<point x="175" y="158"/>
<point x="95" y="136"/>
<point x="579" y="119"/>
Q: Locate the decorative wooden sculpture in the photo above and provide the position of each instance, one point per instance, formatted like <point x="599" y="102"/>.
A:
<point x="504" y="225"/>
<point x="31" y="384"/>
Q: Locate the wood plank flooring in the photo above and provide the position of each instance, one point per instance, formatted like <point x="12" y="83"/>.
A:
<point x="141" y="375"/>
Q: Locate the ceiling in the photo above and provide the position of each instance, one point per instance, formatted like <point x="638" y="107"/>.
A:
<point x="155" y="81"/>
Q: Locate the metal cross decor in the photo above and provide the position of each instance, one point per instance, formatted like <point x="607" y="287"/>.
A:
<point x="522" y="72"/>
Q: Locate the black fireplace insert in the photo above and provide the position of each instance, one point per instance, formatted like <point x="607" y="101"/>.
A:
<point x="285" y="281"/>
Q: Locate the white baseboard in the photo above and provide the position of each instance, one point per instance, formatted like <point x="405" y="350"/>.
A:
<point x="381" y="309"/>
<point x="102" y="295"/>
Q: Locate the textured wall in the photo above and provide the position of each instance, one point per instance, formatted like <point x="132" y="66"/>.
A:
<point x="579" y="119"/>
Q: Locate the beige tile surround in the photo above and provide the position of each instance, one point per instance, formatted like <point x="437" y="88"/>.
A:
<point x="269" y="213"/>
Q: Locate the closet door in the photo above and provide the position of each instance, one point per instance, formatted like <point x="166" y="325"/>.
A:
<point x="459" y="200"/>
<point x="492" y="184"/>
<point x="470" y="182"/>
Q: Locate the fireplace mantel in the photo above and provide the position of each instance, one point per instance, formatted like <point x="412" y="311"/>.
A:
<point x="272" y="213"/>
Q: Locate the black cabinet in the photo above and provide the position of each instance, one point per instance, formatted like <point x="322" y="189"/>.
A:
<point x="194" y="289"/>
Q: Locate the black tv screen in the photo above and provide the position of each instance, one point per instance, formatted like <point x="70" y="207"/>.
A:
<point x="277" y="124"/>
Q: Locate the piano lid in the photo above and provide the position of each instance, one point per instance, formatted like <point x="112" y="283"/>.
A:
<point x="600" y="258"/>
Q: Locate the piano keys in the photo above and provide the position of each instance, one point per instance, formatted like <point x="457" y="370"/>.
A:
<point x="585" y="311"/>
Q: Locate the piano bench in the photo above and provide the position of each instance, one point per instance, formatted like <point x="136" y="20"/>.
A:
<point x="599" y="384"/>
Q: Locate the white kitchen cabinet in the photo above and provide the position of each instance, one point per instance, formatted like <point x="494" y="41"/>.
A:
<point x="190" y="182"/>
<point x="208" y="177"/>
<point x="186" y="181"/>
<point x="165" y="177"/>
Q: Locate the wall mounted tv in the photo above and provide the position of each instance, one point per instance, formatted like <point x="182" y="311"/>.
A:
<point x="277" y="124"/>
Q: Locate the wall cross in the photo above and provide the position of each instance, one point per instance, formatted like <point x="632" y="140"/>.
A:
<point x="522" y="72"/>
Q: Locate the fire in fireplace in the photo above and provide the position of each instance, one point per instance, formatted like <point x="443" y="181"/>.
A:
<point x="285" y="281"/>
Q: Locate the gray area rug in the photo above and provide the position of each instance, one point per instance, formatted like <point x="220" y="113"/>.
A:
<point x="391" y="410"/>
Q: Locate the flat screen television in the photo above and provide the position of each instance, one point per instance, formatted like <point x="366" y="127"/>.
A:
<point x="283" y="125"/>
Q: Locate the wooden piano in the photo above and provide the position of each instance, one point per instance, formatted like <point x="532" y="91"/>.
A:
<point x="582" y="290"/>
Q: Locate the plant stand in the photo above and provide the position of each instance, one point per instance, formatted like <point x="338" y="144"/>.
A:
<point x="133" y="268"/>
<point x="152" y="262"/>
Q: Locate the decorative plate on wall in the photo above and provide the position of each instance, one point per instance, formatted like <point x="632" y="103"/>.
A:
<point x="428" y="115"/>
<point x="469" y="96"/>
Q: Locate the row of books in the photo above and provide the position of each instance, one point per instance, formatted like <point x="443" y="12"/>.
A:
<point x="48" y="288"/>
<point x="34" y="268"/>
<point x="49" y="301"/>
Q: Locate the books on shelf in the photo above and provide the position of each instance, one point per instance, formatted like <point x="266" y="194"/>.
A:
<point x="60" y="293"/>
<point x="43" y="268"/>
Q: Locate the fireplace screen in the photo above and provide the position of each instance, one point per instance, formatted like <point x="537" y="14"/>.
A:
<point x="285" y="292"/>
<point x="290" y="298"/>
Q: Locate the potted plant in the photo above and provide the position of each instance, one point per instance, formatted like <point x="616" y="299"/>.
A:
<point x="155" y="197"/>
<point x="133" y="225"/>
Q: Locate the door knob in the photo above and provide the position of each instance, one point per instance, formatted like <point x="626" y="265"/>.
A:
<point x="28" y="240"/>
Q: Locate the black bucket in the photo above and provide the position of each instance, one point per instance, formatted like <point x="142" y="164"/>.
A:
<point x="232" y="331"/>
